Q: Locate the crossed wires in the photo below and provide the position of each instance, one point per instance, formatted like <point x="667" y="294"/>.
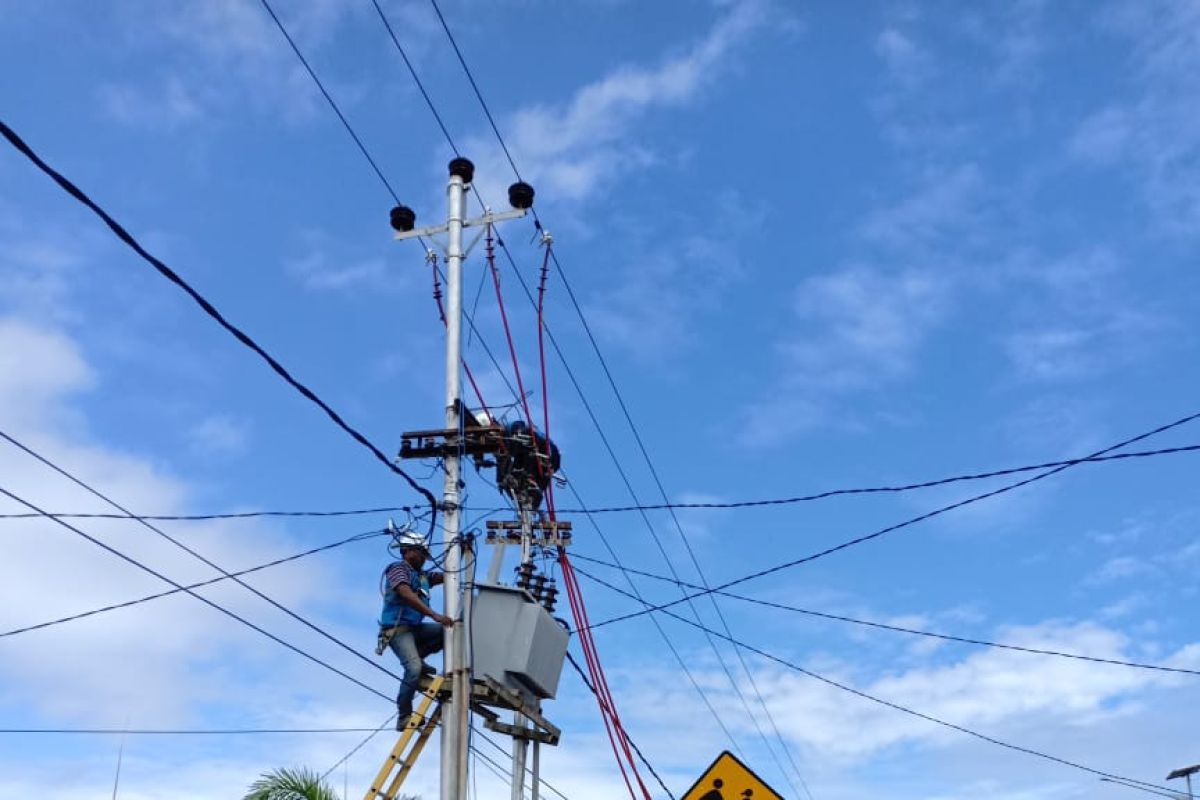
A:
<point x="895" y="706"/>
<point x="211" y="310"/>
<point x="231" y="576"/>
<point x="641" y="447"/>
<point x="911" y="521"/>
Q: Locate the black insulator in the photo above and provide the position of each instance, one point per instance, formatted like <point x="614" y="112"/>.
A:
<point x="404" y="219"/>
<point x="463" y="168"/>
<point x="549" y="596"/>
<point x="520" y="195"/>
<point x="539" y="583"/>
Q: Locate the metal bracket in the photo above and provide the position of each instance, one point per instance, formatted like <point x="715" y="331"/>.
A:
<point x="553" y="533"/>
<point x="487" y="219"/>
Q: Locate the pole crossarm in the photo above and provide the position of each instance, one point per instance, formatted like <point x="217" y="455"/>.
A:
<point x="489" y="218"/>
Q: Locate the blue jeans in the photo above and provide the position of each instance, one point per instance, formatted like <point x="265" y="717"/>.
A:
<point x="411" y="643"/>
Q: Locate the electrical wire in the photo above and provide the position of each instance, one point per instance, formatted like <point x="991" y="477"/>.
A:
<point x="507" y="774"/>
<point x="906" y="523"/>
<point x="131" y="560"/>
<point x="195" y="554"/>
<point x="172" y="732"/>
<point x="895" y="706"/>
<point x="209" y="309"/>
<point x="898" y="628"/>
<point x="387" y="722"/>
<point x="613" y="509"/>
<point x="329" y="99"/>
<point x="1191" y="448"/>
<point x="641" y="756"/>
<point x="229" y="515"/>
<point x="356" y="538"/>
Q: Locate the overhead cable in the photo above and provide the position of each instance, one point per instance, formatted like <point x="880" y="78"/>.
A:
<point x="898" y="628"/>
<point x="613" y="509"/>
<point x="208" y="308"/>
<point x="1191" y="448"/>
<point x="50" y="623"/>
<point x="195" y="554"/>
<point x="895" y="706"/>
<point x="131" y="560"/>
<point x="905" y="524"/>
<point x="175" y="732"/>
<point x="641" y="756"/>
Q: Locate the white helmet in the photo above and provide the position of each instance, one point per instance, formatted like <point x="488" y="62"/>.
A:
<point x="407" y="538"/>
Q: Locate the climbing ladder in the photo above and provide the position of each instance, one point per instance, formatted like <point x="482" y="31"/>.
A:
<point x="416" y="733"/>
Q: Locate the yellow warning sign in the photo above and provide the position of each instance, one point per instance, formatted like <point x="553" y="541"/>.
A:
<point x="730" y="779"/>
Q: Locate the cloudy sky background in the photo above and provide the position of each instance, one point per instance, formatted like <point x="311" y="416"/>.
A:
<point x="819" y="249"/>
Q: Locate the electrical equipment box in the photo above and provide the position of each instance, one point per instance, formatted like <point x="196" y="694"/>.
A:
<point x="516" y="642"/>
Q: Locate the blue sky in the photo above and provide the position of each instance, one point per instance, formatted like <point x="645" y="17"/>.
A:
<point x="819" y="248"/>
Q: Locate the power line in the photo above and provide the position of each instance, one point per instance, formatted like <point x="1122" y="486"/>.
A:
<point x="896" y="706"/>
<point x="897" y="628"/>
<point x="613" y="509"/>
<point x="506" y="773"/>
<point x="181" y="587"/>
<point x="208" y="308"/>
<point x="905" y="524"/>
<point x="302" y="620"/>
<point x="529" y="296"/>
<point x="411" y="71"/>
<point x="329" y="99"/>
<point x="228" y="515"/>
<point x="373" y="733"/>
<point x="894" y="489"/>
<point x="356" y="538"/>
<point x="641" y="756"/>
<point x="637" y="436"/>
<point x="172" y="732"/>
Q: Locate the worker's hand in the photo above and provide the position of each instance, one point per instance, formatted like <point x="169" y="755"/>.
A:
<point x="444" y="620"/>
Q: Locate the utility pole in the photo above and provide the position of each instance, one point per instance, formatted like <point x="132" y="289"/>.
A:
<point x="456" y="714"/>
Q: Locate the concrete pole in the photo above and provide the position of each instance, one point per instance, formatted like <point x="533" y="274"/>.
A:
<point x="454" y="756"/>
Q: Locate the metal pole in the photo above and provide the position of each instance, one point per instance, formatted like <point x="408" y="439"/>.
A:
<point x="453" y="752"/>
<point x="1189" y="782"/>
<point x="537" y="769"/>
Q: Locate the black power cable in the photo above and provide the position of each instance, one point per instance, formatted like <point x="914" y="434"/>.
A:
<point x="896" y="628"/>
<point x="356" y="538"/>
<point x="302" y="620"/>
<point x="1191" y="448"/>
<point x="613" y="509"/>
<point x="641" y="756"/>
<point x="131" y="560"/>
<point x="896" y="706"/>
<point x="228" y="515"/>
<point x="208" y="308"/>
<point x="906" y="523"/>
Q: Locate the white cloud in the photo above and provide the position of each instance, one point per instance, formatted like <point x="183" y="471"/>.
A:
<point x="571" y="150"/>
<point x="219" y="434"/>
<point x="856" y="328"/>
<point x="1156" y="132"/>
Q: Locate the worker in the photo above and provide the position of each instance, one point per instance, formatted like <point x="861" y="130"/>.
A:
<point x="405" y="587"/>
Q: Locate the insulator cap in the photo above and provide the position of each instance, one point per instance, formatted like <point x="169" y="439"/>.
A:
<point x="463" y="168"/>
<point x="404" y="219"/>
<point x="520" y="195"/>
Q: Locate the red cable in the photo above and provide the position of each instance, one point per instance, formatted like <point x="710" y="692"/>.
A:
<point x="606" y="712"/>
<point x="600" y="681"/>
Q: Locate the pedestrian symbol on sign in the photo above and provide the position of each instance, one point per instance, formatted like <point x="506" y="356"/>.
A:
<point x="727" y="778"/>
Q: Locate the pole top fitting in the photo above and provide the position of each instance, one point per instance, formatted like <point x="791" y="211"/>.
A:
<point x="462" y="168"/>
<point x="403" y="219"/>
<point x="520" y="195"/>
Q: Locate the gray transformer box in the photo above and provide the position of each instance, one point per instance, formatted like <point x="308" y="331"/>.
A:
<point x="515" y="642"/>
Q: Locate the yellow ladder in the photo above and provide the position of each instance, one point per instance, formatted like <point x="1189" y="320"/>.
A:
<point x="416" y="733"/>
